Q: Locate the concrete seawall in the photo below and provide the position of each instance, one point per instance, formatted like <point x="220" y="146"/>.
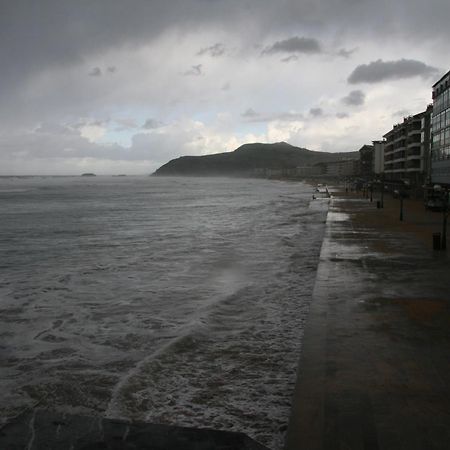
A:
<point x="45" y="430"/>
<point x="375" y="366"/>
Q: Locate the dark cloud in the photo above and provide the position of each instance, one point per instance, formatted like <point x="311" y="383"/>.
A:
<point x="288" y="116"/>
<point x="95" y="72"/>
<point x="354" y="98"/>
<point x="342" y="115"/>
<point x="36" y="35"/>
<point x="214" y="51"/>
<point x="316" y="112"/>
<point x="250" y="113"/>
<point x="346" y="53"/>
<point x="226" y="87"/>
<point x="152" y="124"/>
<point x="378" y="71"/>
<point x="290" y="58"/>
<point x="194" y="71"/>
<point x="295" y="44"/>
<point x="111" y="69"/>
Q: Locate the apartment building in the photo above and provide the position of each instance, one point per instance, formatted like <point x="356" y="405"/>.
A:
<point x="406" y="149"/>
<point x="339" y="168"/>
<point x="378" y="157"/>
<point x="366" y="162"/>
<point x="440" y="127"/>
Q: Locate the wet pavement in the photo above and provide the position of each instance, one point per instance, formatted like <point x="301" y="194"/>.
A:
<point x="375" y="366"/>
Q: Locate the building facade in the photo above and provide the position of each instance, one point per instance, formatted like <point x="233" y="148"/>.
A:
<point x="405" y="155"/>
<point x="378" y="157"/>
<point x="366" y="164"/>
<point x="339" y="168"/>
<point x="440" y="128"/>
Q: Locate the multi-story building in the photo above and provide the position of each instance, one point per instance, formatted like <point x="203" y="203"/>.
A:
<point x="440" y="127"/>
<point x="339" y="168"/>
<point x="425" y="143"/>
<point x="378" y="157"/>
<point x="405" y="155"/>
<point x="366" y="157"/>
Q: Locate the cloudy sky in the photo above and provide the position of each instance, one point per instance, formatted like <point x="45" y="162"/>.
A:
<point x="114" y="86"/>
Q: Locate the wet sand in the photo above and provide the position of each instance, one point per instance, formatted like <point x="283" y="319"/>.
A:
<point x="375" y="366"/>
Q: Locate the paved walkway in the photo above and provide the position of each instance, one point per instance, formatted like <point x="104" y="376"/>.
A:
<point x="375" y="367"/>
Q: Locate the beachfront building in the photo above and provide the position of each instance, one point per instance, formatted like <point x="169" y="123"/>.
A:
<point x="307" y="171"/>
<point x="340" y="168"/>
<point x="378" y="157"/>
<point x="440" y="160"/>
<point x="366" y="158"/>
<point x="405" y="155"/>
<point x="425" y="142"/>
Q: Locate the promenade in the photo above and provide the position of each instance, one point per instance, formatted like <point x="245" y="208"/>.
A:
<point x="375" y="366"/>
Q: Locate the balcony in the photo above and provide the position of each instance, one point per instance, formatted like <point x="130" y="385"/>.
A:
<point x="400" y="147"/>
<point x="399" y="137"/>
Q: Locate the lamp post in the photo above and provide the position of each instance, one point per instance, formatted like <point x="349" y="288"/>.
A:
<point x="444" y="220"/>
<point x="445" y="199"/>
<point x="401" y="205"/>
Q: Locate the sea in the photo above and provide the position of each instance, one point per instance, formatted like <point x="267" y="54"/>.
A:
<point x="168" y="300"/>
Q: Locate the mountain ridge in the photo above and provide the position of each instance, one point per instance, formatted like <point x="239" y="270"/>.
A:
<point x="247" y="158"/>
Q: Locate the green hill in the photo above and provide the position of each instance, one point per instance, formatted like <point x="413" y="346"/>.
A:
<point x="245" y="159"/>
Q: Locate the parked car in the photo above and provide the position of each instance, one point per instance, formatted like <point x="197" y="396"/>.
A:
<point x="434" y="204"/>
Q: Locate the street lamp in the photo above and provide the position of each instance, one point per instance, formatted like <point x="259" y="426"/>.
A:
<point x="401" y="204"/>
<point x="445" y="198"/>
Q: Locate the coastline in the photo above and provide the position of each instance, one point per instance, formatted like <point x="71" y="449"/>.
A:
<point x="374" y="369"/>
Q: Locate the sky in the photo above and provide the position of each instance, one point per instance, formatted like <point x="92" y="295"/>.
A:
<point x="121" y="87"/>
